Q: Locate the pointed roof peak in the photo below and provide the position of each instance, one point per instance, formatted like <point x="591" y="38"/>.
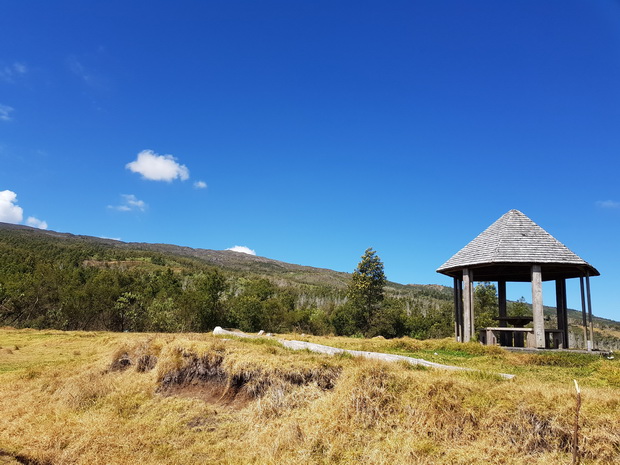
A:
<point x="514" y="239"/>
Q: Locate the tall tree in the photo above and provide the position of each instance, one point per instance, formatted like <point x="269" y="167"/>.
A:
<point x="366" y="290"/>
<point x="485" y="305"/>
<point x="519" y="308"/>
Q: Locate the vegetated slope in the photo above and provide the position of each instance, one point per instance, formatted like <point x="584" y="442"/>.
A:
<point x="224" y="259"/>
<point x="114" y="398"/>
<point x="65" y="281"/>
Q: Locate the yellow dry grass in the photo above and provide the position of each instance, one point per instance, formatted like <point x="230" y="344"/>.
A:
<point x="68" y="398"/>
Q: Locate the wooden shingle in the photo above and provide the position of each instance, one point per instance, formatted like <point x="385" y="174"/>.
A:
<point x="515" y="240"/>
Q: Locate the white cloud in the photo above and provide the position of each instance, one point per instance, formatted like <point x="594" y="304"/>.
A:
<point x="20" y="68"/>
<point x="36" y="223"/>
<point x="200" y="185"/>
<point x="5" y="112"/>
<point x="156" y="167"/>
<point x="130" y="203"/>
<point x="111" y="238"/>
<point x="608" y="204"/>
<point x="10" y="72"/>
<point x="87" y="74"/>
<point x="133" y="202"/>
<point x="242" y="249"/>
<point x="10" y="212"/>
<point x="78" y="69"/>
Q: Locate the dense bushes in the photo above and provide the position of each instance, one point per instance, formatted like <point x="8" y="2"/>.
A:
<point x="79" y="285"/>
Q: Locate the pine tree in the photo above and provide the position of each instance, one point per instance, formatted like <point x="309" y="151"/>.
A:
<point x="366" y="290"/>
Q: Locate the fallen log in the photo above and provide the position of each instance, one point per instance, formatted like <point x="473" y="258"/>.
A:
<point x="322" y="349"/>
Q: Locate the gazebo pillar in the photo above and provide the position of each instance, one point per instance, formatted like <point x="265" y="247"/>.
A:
<point x="501" y="300"/>
<point x="590" y="310"/>
<point x="459" y="306"/>
<point x="537" y="307"/>
<point x="458" y="310"/>
<point x="468" y="306"/>
<point x="562" y="310"/>
<point x="586" y="341"/>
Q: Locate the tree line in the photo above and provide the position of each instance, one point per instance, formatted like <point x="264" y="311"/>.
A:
<point x="79" y="285"/>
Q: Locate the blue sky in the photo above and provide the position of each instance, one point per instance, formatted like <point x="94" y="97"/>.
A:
<point x="308" y="131"/>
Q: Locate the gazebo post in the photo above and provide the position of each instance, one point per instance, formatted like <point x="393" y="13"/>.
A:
<point x="467" y="306"/>
<point x="457" y="311"/>
<point x="586" y="342"/>
<point x="561" y="310"/>
<point x="537" y="307"/>
<point x="472" y="317"/>
<point x="590" y="309"/>
<point x="501" y="299"/>
<point x="460" y="307"/>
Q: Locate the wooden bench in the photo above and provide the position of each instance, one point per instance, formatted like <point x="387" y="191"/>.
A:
<point x="520" y="337"/>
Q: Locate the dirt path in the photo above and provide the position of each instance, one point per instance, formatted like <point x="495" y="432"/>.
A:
<point x="301" y="345"/>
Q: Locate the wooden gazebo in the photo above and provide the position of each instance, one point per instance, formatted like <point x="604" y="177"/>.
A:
<point x="515" y="249"/>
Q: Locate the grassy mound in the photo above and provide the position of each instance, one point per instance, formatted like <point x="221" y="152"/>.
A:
<point x="102" y="398"/>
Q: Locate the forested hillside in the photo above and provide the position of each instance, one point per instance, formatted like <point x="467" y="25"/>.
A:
<point x="63" y="281"/>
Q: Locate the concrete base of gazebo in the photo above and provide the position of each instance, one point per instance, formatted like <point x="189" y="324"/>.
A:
<point x="530" y="350"/>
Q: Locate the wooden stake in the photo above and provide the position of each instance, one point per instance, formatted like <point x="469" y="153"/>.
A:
<point x="576" y="430"/>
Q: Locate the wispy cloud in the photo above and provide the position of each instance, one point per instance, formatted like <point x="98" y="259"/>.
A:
<point x="77" y="68"/>
<point x="36" y="223"/>
<point x="608" y="204"/>
<point x="81" y="72"/>
<point x="85" y="73"/>
<point x="130" y="203"/>
<point x="200" y="185"/>
<point x="242" y="249"/>
<point x="5" y="112"/>
<point x="10" y="73"/>
<point x="10" y="212"/>
<point x="156" y="167"/>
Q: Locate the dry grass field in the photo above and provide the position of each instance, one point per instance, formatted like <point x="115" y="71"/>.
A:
<point x="113" y="398"/>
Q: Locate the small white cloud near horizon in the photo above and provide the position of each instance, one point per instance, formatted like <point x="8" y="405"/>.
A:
<point x="200" y="185"/>
<point x="242" y="249"/>
<point x="154" y="167"/>
<point x="5" y="112"/>
<point x="36" y="223"/>
<point x="608" y="204"/>
<point x="130" y="203"/>
<point x="10" y="212"/>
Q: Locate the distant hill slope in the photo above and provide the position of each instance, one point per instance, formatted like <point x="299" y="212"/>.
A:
<point x="23" y="249"/>
<point x="235" y="262"/>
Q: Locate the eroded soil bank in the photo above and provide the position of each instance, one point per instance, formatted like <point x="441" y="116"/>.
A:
<point x="207" y="376"/>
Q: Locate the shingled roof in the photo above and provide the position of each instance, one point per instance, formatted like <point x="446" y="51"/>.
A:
<point x="510" y="246"/>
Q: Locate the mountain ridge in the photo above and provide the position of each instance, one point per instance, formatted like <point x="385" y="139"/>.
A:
<point x="227" y="259"/>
